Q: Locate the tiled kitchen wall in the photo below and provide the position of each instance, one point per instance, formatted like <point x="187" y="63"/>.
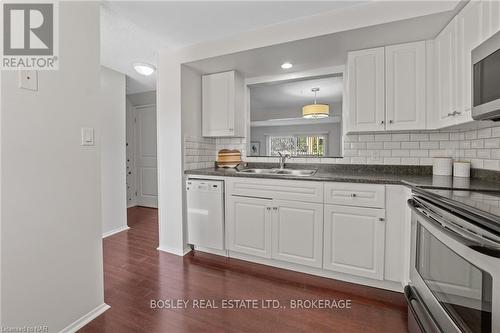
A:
<point x="199" y="152"/>
<point x="480" y="146"/>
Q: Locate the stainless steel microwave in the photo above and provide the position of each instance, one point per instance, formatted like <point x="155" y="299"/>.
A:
<point x="486" y="80"/>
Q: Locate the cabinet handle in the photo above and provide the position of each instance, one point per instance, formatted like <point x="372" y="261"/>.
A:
<point x="381" y="219"/>
<point x="231" y="129"/>
<point x="275" y="208"/>
<point x="390" y="121"/>
<point x="353" y="195"/>
<point x="268" y="208"/>
<point x="382" y="122"/>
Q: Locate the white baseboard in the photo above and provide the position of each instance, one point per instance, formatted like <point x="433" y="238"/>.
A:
<point x="223" y="253"/>
<point x="177" y="252"/>
<point x="75" y="326"/>
<point x="115" y="231"/>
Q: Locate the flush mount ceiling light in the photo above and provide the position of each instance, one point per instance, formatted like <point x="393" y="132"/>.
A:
<point x="286" y="65"/>
<point x="143" y="68"/>
<point x="315" y="111"/>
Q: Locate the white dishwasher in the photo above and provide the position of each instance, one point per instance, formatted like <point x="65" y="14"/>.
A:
<point x="205" y="206"/>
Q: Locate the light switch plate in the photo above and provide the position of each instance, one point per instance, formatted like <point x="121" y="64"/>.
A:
<point x="28" y="79"/>
<point x="87" y="136"/>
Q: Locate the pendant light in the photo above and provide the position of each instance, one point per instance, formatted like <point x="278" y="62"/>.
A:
<point x="315" y="111"/>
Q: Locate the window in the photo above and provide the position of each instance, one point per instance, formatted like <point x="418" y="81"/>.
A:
<point x="298" y="145"/>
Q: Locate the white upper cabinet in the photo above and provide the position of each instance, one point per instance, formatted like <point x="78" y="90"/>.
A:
<point x="405" y="86"/>
<point x="490" y="17"/>
<point x="223" y="105"/>
<point x="366" y="90"/>
<point x="446" y="72"/>
<point x="387" y="88"/>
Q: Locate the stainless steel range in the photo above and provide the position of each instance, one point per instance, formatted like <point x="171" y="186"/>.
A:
<point x="455" y="262"/>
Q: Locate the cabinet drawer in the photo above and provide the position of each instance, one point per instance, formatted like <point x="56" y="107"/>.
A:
<point x="349" y="194"/>
<point x="307" y="191"/>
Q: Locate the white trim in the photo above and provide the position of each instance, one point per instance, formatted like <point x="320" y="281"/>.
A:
<point x="324" y="71"/>
<point x="223" y="253"/>
<point x="177" y="252"/>
<point x="144" y="106"/>
<point x="385" y="284"/>
<point x="294" y="121"/>
<point x="75" y="326"/>
<point x="114" y="231"/>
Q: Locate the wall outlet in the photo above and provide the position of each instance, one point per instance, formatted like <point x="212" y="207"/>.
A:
<point x="28" y="79"/>
<point x="87" y="136"/>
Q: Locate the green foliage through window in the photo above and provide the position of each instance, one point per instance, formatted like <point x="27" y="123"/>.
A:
<point x="300" y="145"/>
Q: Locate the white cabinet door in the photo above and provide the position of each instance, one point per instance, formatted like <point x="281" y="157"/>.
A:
<point x="298" y="232"/>
<point x="354" y="241"/>
<point x="223" y="106"/>
<point x="405" y="86"/>
<point x="248" y="225"/>
<point x="469" y="37"/>
<point x="366" y="110"/>
<point x="446" y="59"/>
<point x="490" y="17"/>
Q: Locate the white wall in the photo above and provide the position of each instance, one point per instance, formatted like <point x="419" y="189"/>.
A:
<point x="113" y="151"/>
<point x="51" y="254"/>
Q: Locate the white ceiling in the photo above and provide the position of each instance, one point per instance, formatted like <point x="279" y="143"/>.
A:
<point x="324" y="51"/>
<point x="136" y="30"/>
<point x="295" y="94"/>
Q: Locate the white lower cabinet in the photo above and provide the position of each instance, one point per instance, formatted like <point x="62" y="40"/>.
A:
<point x="347" y="230"/>
<point x="248" y="225"/>
<point x="297" y="234"/>
<point x="354" y="240"/>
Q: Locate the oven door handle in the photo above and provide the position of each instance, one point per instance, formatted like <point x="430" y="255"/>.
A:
<point x="480" y="244"/>
<point x="422" y="316"/>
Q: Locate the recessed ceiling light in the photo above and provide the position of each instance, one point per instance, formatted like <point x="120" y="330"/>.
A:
<point x="286" y="65"/>
<point x="143" y="68"/>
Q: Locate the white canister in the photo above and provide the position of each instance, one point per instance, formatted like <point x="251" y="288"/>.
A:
<point x="461" y="169"/>
<point x="442" y="166"/>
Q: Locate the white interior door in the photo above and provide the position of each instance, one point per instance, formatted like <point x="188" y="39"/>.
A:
<point x="147" y="180"/>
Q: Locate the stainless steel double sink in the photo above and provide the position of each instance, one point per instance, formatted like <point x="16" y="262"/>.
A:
<point x="280" y="172"/>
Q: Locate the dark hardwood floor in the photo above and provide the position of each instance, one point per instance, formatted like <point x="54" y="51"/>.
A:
<point x="135" y="273"/>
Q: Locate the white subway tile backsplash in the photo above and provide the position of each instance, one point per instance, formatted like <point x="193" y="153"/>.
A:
<point x="392" y="160"/>
<point x="383" y="137"/>
<point x="375" y="145"/>
<point x="471" y="135"/>
<point x="476" y="144"/>
<point x="410" y="161"/>
<point x="400" y="153"/>
<point x="401" y="137"/>
<point x="410" y="145"/>
<point x="479" y="146"/>
<point x="419" y="137"/>
<point x="392" y="145"/>
<point x="419" y="153"/>
<point x="484" y="133"/>
<point x="366" y="137"/>
<point x="492" y="143"/>
<point x="439" y="136"/>
<point x="429" y="145"/>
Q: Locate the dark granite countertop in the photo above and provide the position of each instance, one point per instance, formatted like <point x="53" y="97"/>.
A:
<point x="412" y="176"/>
